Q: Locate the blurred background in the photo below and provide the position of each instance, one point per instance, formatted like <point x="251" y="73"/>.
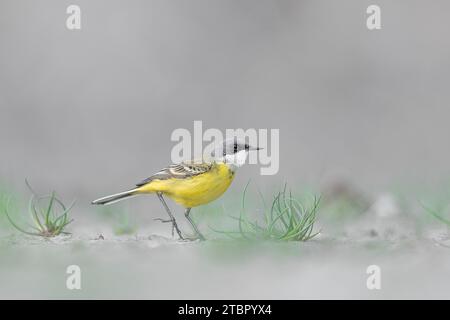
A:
<point x="90" y="112"/>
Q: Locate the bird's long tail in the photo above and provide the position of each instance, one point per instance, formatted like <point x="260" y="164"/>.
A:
<point x="116" y="197"/>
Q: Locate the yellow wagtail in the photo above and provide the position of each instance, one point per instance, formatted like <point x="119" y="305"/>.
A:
<point x="191" y="183"/>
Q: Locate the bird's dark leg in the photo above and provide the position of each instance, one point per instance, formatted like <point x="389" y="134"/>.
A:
<point x="186" y="214"/>
<point x="172" y="219"/>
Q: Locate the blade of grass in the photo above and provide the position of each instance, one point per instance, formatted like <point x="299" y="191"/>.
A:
<point x="14" y="224"/>
<point x="435" y="214"/>
<point x="47" y="213"/>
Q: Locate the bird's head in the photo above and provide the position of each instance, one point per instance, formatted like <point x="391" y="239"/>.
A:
<point x="233" y="152"/>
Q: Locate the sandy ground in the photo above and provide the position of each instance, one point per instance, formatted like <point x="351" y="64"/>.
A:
<point x="153" y="266"/>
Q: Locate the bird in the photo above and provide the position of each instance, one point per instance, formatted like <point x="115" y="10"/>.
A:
<point x="191" y="183"/>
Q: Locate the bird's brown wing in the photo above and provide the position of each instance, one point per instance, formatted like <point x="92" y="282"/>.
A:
<point x="179" y="171"/>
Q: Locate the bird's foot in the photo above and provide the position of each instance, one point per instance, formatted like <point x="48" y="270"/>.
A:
<point x="201" y="237"/>
<point x="174" y="226"/>
<point x="163" y="220"/>
<point x="198" y="237"/>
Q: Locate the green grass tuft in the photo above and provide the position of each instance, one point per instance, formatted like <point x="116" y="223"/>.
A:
<point x="47" y="223"/>
<point x="287" y="219"/>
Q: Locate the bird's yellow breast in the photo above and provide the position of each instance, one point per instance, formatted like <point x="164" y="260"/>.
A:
<point x="196" y="190"/>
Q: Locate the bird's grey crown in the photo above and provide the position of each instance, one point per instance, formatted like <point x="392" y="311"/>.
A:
<point x="230" y="146"/>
